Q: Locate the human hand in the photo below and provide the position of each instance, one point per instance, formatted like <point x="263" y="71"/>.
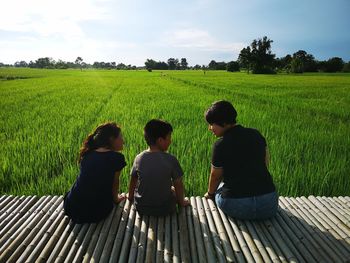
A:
<point x="185" y="202"/>
<point x="120" y="198"/>
<point x="208" y="195"/>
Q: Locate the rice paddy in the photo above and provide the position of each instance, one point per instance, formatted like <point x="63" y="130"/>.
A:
<point x="46" y="114"/>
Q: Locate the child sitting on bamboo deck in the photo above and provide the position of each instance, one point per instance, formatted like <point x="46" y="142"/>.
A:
<point x="155" y="172"/>
<point x="95" y="191"/>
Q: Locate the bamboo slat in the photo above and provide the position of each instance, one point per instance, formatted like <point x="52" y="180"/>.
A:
<point x="167" y="242"/>
<point x="213" y="232"/>
<point x="79" y="256"/>
<point x="102" y="237"/>
<point x="234" y="238"/>
<point x="49" y="247"/>
<point x="151" y="240"/>
<point x="175" y="238"/>
<point x="189" y="222"/>
<point x="124" y="253"/>
<point x="327" y="220"/>
<point x="337" y="205"/>
<point x="90" y="249"/>
<point x="11" y="208"/>
<point x="280" y="241"/>
<point x="112" y="233"/>
<point x="17" y="213"/>
<point x="143" y="239"/>
<point x="76" y="244"/>
<point x="13" y="228"/>
<point x="267" y="244"/>
<point x="120" y="233"/>
<point x="197" y="230"/>
<point x="307" y="242"/>
<point x="160" y="240"/>
<point x="229" y="255"/>
<point x="5" y="201"/>
<point x="261" y="248"/>
<point x="335" y="210"/>
<point x="311" y="228"/>
<point x="60" y="237"/>
<point x="335" y="233"/>
<point x="135" y="239"/>
<point x="15" y="246"/>
<point x="183" y="235"/>
<point x="35" y="246"/>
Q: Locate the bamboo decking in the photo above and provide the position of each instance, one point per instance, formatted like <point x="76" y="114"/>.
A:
<point x="313" y="229"/>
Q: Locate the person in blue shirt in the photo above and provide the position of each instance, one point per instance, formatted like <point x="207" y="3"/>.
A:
<point x="92" y="196"/>
<point x="240" y="181"/>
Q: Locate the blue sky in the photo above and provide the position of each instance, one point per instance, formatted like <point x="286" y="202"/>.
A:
<point x="131" y="31"/>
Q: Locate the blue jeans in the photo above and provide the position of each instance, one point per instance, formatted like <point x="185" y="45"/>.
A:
<point x="254" y="208"/>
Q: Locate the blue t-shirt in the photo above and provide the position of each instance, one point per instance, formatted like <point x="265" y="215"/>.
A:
<point x="91" y="198"/>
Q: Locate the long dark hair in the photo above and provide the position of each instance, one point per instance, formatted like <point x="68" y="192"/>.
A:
<point x="99" y="138"/>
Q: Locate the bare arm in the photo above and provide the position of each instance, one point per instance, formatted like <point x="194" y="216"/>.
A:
<point x="132" y="186"/>
<point x="180" y="192"/>
<point x="214" y="181"/>
<point x="115" y="188"/>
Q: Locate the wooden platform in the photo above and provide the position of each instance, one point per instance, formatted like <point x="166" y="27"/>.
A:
<point x="313" y="229"/>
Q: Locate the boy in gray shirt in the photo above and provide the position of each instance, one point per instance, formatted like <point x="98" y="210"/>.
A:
<point x="156" y="176"/>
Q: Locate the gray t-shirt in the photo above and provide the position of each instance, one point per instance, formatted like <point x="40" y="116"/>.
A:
<point x="155" y="172"/>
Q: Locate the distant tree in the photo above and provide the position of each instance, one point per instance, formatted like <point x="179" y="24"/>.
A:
<point x="283" y="63"/>
<point x="297" y="65"/>
<point x="78" y="62"/>
<point x="306" y="62"/>
<point x="150" y="64"/>
<point x="258" y="56"/>
<point x="232" y="66"/>
<point x="244" y="59"/>
<point x="221" y="65"/>
<point x="121" y="66"/>
<point x="346" y="67"/>
<point x="173" y="63"/>
<point x="44" y="63"/>
<point x="334" y="64"/>
<point x="183" y="63"/>
<point x="21" y="64"/>
<point x="212" y="65"/>
<point x="196" y="67"/>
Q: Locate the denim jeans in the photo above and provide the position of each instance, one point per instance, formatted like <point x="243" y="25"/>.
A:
<point x="254" y="208"/>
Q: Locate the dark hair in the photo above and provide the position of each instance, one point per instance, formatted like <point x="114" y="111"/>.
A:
<point x="155" y="129"/>
<point x="99" y="138"/>
<point x="221" y="112"/>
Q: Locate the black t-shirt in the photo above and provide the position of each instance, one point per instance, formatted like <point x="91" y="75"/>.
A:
<point x="241" y="153"/>
<point x="90" y="199"/>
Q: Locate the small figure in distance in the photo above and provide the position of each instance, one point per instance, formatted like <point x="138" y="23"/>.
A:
<point x="156" y="176"/>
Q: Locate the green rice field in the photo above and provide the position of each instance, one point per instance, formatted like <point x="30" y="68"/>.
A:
<point x="46" y="114"/>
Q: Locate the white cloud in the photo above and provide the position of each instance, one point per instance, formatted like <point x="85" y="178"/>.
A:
<point x="193" y="38"/>
<point x="50" y="18"/>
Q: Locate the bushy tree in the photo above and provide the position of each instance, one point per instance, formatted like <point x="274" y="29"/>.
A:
<point x="173" y="63"/>
<point x="232" y="66"/>
<point x="183" y="63"/>
<point x="334" y="64"/>
<point x="258" y="57"/>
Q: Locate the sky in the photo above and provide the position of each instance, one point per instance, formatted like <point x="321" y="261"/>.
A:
<point x="131" y="31"/>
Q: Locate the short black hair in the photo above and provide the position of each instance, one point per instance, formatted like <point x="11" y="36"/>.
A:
<point x="155" y="129"/>
<point x="221" y="112"/>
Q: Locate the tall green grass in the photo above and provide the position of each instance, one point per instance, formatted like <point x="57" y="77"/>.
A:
<point x="46" y="114"/>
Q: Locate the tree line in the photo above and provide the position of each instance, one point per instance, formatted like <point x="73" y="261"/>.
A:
<point x="257" y="58"/>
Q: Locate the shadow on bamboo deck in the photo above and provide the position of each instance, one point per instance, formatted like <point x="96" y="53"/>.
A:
<point x="313" y="229"/>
